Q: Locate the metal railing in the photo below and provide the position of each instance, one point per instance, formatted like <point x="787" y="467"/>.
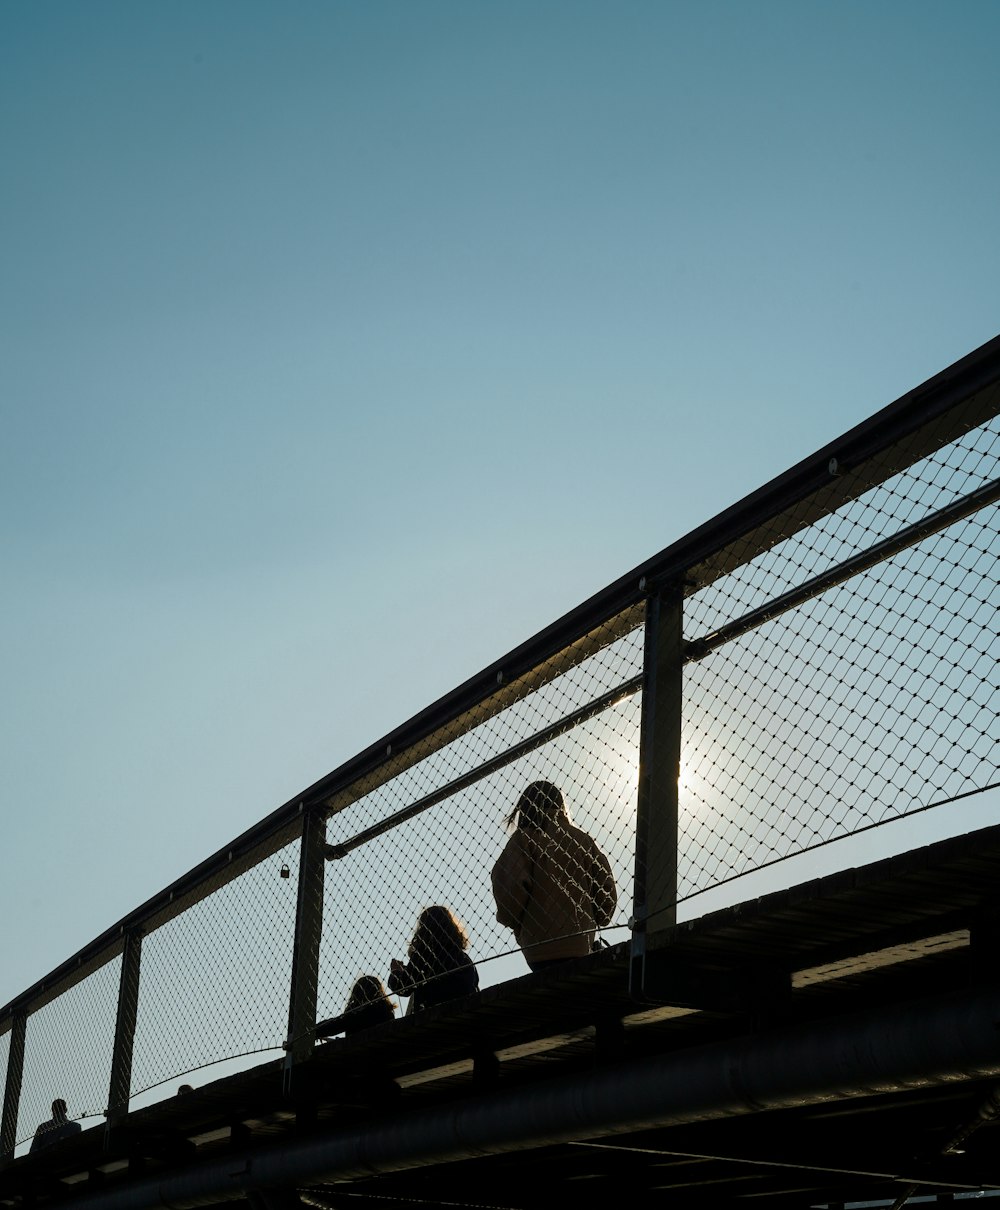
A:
<point x="818" y="660"/>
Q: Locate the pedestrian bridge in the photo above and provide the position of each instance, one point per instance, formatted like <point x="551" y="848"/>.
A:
<point x="816" y="664"/>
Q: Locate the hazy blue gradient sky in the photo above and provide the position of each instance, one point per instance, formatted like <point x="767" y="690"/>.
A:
<point x="346" y="346"/>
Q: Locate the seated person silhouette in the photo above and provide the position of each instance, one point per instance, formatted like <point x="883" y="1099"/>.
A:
<point x="56" y="1128"/>
<point x="366" y="1006"/>
<point x="439" y="969"/>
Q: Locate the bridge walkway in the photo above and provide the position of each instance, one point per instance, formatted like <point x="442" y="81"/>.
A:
<point x="462" y="1102"/>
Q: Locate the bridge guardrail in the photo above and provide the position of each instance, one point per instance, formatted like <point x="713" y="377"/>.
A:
<point x="819" y="660"/>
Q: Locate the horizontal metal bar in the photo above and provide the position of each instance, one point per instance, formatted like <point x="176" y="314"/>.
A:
<point x="958" y="510"/>
<point x="510" y="684"/>
<point x="531" y="744"/>
<point x="947" y="406"/>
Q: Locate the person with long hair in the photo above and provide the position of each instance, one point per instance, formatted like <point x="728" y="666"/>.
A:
<point x="438" y="968"/>
<point x="552" y="884"/>
<point x="366" y="1006"/>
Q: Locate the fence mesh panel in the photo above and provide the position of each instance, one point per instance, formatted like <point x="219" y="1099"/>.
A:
<point x="875" y="699"/>
<point x="868" y="697"/>
<point x="67" y="1052"/>
<point x="444" y="855"/>
<point x="930" y="484"/>
<point x="4" y="1056"/>
<point x="215" y="980"/>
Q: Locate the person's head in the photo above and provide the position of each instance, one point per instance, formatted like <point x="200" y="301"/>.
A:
<point x="438" y="929"/>
<point x="184" y="1089"/>
<point x="59" y="1110"/>
<point x="540" y="803"/>
<point x="367" y="989"/>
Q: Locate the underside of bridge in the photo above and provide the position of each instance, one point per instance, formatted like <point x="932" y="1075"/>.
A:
<point x="835" y="1043"/>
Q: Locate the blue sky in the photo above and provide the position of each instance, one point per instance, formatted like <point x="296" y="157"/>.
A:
<point x="346" y="346"/>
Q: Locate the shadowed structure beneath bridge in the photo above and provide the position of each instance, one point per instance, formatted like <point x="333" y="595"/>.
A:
<point x="819" y="1043"/>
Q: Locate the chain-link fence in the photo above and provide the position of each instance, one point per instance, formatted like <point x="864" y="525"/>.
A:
<point x="820" y="660"/>
<point x="202" y="979"/>
<point x="431" y="835"/>
<point x="869" y="699"/>
<point x="215" y="979"/>
<point x="67" y="1052"/>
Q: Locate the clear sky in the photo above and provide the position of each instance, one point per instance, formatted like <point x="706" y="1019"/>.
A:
<point x="344" y="346"/>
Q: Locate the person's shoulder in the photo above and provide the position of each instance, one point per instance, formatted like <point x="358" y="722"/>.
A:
<point x="511" y="851"/>
<point x="41" y="1136"/>
<point x="587" y="842"/>
<point x="580" y="835"/>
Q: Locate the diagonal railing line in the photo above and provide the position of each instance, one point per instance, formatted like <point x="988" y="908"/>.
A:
<point x="958" y="510"/>
<point x="567" y="723"/>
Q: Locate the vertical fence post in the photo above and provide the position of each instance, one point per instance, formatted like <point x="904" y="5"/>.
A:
<point x="308" y="933"/>
<point x="655" y="888"/>
<point x="120" y="1086"/>
<point x="12" y="1088"/>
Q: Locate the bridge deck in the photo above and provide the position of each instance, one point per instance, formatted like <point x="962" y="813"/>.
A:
<point x="893" y="935"/>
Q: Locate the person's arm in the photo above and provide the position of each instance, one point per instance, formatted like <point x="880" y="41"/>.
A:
<point x="605" y="892"/>
<point x="330" y="1027"/>
<point x="469" y="976"/>
<point x="510" y="890"/>
<point x="402" y="978"/>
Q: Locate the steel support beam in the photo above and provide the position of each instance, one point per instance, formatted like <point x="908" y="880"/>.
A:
<point x="120" y="1086"/>
<point x="12" y="1088"/>
<point x="655" y="889"/>
<point x="305" y="955"/>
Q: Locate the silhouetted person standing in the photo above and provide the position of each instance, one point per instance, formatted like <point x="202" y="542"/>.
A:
<point x="552" y="884"/>
<point x="57" y="1127"/>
